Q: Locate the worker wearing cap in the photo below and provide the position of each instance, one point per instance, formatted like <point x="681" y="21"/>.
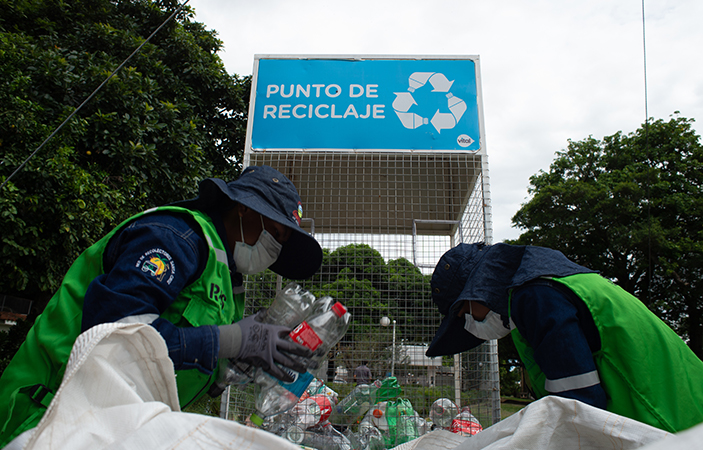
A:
<point x="178" y="268"/>
<point x="578" y="335"/>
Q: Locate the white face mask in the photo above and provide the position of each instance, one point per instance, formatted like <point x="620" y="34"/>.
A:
<point x="491" y="327"/>
<point x="257" y="258"/>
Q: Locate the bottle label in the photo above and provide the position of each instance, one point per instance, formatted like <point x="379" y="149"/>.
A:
<point x="304" y="335"/>
<point x="465" y="427"/>
<point x="299" y="384"/>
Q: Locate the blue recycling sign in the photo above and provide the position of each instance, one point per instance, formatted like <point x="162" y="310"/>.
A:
<point x="365" y="104"/>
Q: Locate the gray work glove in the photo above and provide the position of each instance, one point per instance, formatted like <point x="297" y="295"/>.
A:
<point x="262" y="345"/>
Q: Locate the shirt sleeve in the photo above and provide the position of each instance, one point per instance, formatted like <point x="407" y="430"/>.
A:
<point x="147" y="265"/>
<point x="562" y="338"/>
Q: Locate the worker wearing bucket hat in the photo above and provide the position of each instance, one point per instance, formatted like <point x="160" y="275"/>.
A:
<point x="578" y="335"/>
<point x="179" y="268"/>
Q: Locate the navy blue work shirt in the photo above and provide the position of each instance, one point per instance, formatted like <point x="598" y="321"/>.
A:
<point x="561" y="331"/>
<point x="124" y="293"/>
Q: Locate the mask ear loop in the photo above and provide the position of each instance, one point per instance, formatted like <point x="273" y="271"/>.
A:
<point x="241" y="231"/>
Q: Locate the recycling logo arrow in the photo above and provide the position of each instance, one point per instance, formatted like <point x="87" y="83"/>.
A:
<point x="441" y="120"/>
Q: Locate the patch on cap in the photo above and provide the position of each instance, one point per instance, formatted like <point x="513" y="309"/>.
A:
<point x="298" y="214"/>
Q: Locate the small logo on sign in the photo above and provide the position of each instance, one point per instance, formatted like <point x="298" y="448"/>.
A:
<point x="464" y="140"/>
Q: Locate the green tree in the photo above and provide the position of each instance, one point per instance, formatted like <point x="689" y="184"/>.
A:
<point x="171" y="117"/>
<point x="631" y="206"/>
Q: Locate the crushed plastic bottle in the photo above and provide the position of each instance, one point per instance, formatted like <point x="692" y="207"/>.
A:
<point x="372" y="439"/>
<point x="465" y="423"/>
<point x="311" y="411"/>
<point x="319" y="333"/>
<point x="317" y="441"/>
<point x="421" y="425"/>
<point x="443" y="411"/>
<point x="292" y="305"/>
<point x="317" y="387"/>
<point x="355" y="404"/>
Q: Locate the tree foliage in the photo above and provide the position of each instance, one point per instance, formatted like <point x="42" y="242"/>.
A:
<point x="631" y="206"/>
<point x="171" y="117"/>
<point x="359" y="277"/>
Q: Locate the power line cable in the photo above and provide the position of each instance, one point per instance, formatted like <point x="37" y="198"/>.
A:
<point x="114" y="72"/>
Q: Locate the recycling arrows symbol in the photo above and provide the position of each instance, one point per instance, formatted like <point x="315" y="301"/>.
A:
<point x="441" y="121"/>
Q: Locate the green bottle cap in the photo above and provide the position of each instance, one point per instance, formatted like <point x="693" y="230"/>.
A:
<point x="256" y="420"/>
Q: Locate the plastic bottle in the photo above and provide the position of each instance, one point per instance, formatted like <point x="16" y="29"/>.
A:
<point x="317" y="387"/>
<point x="311" y="411"/>
<point x="443" y="411"/>
<point x="321" y="441"/>
<point x="292" y="305"/>
<point x="355" y="404"/>
<point x="369" y="437"/>
<point x="421" y="424"/>
<point x="465" y="423"/>
<point x="319" y="333"/>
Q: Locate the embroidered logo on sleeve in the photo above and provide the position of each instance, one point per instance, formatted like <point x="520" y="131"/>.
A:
<point x="158" y="264"/>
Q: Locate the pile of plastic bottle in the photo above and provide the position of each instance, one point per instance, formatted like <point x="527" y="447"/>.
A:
<point x="360" y="421"/>
<point x="309" y="413"/>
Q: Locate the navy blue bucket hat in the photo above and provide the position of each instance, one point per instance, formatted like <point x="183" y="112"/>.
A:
<point x="271" y="194"/>
<point x="486" y="273"/>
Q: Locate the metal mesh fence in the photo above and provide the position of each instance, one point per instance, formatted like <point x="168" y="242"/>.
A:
<point x="384" y="220"/>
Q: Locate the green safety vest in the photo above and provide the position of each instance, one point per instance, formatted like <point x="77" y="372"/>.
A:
<point x="648" y="373"/>
<point x="35" y="373"/>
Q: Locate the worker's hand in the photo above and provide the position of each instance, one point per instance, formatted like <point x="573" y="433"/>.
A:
<point x="263" y="345"/>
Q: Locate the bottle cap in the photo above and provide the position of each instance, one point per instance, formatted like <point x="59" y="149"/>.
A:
<point x="295" y="434"/>
<point x="256" y="420"/>
<point x="339" y="309"/>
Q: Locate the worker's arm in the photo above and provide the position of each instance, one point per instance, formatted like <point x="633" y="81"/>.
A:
<point x="129" y="293"/>
<point x="564" y="337"/>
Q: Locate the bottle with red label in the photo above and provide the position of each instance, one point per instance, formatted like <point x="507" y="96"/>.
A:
<point x="292" y="305"/>
<point x="311" y="411"/>
<point x="465" y="423"/>
<point x="320" y="332"/>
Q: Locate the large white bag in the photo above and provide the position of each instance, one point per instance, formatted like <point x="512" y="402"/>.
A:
<point x="119" y="392"/>
<point x="551" y="423"/>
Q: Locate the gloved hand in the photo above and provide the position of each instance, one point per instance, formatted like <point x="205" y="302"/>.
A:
<point x="263" y="345"/>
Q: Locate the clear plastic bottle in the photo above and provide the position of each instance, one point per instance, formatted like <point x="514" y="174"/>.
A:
<point x="311" y="411"/>
<point x="355" y="404"/>
<point x="368" y="437"/>
<point x="320" y="332"/>
<point x="421" y="424"/>
<point x="443" y="411"/>
<point x="318" y="387"/>
<point x="318" y="440"/>
<point x="292" y="305"/>
<point x="465" y="423"/>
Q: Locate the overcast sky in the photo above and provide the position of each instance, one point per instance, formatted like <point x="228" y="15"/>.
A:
<point x="551" y="70"/>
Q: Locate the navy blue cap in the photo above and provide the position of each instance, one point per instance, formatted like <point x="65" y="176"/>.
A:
<point x="486" y="273"/>
<point x="448" y="281"/>
<point x="271" y="194"/>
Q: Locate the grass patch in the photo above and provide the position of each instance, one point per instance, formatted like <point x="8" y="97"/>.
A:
<point x="511" y="405"/>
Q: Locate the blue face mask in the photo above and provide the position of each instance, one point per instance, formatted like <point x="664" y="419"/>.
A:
<point x="251" y="259"/>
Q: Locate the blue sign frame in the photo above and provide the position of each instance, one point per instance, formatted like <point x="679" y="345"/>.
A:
<point x="371" y="103"/>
